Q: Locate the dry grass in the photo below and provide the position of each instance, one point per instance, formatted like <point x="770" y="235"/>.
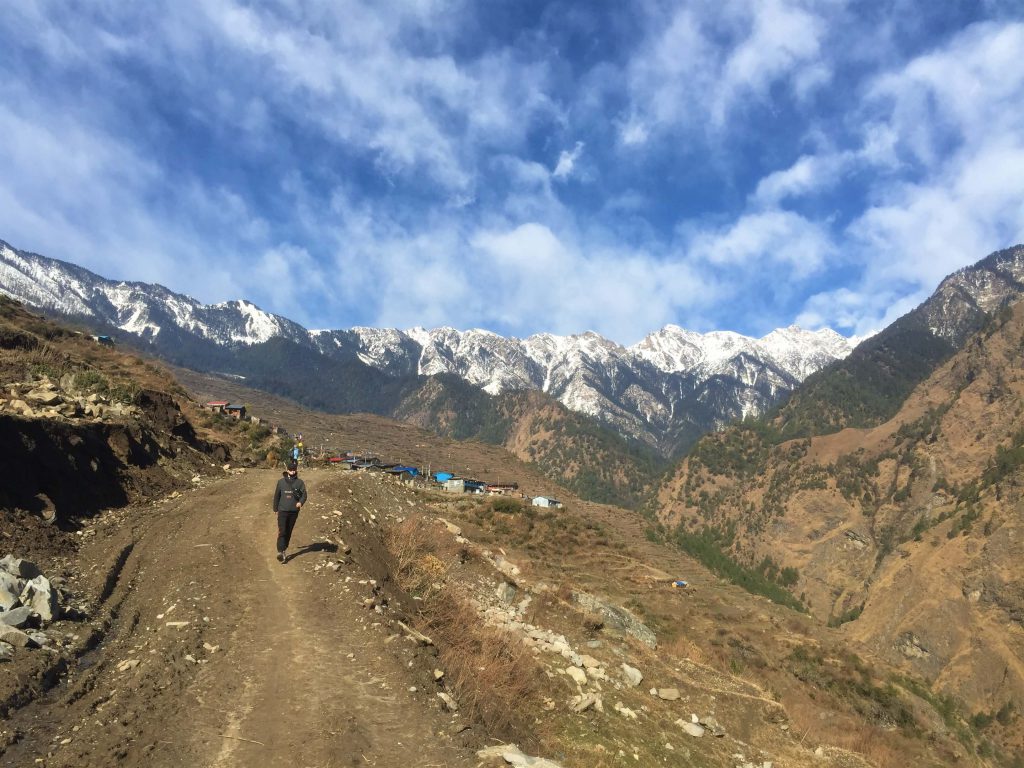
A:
<point x="493" y="675"/>
<point x="682" y="647"/>
<point x="414" y="545"/>
<point x="885" y="749"/>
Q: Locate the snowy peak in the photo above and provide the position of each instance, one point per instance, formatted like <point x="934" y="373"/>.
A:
<point x="795" y="351"/>
<point x="141" y="309"/>
<point x="674" y="382"/>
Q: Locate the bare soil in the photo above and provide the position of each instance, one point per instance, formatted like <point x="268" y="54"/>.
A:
<point x="275" y="665"/>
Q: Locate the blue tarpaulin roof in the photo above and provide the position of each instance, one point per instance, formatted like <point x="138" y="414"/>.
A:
<point x="443" y="477"/>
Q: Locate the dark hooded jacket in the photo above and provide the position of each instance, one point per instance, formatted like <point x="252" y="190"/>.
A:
<point x="290" y="492"/>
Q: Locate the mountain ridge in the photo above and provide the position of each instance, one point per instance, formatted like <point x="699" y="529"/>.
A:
<point x="662" y="391"/>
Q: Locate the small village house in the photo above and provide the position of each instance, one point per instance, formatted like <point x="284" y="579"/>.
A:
<point x="545" y="501"/>
<point x="502" y="489"/>
<point x="455" y="485"/>
<point x="216" y="406"/>
<point x="235" y="411"/>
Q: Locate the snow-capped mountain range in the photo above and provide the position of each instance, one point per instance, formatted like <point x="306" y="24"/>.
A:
<point x="673" y="381"/>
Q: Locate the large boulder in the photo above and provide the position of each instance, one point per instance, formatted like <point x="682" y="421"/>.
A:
<point x="41" y="597"/>
<point x="632" y="674"/>
<point x="23" y="569"/>
<point x="16" y="617"/>
<point x="44" y="397"/>
<point x="15" y="637"/>
<point x="10" y="591"/>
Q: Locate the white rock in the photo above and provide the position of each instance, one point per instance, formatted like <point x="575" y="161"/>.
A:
<point x="577" y="674"/>
<point x="632" y="675"/>
<point x="691" y="728"/>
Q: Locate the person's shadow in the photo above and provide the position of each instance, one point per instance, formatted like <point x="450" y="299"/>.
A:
<point x="316" y="546"/>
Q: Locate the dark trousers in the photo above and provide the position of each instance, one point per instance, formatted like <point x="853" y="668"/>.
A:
<point x="285" y="524"/>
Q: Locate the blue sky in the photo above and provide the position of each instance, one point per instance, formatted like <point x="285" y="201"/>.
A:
<point x="520" y="166"/>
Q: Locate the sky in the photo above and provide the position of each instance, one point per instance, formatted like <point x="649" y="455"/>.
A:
<point x="520" y="166"/>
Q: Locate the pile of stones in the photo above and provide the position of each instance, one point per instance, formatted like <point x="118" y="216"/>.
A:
<point x="45" y="399"/>
<point x="28" y="601"/>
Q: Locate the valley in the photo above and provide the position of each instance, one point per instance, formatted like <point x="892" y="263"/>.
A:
<point x="189" y="644"/>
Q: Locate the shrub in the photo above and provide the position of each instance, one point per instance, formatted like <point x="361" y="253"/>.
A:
<point x="507" y="505"/>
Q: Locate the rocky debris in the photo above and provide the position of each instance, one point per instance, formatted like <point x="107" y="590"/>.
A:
<point x="41" y="598"/>
<point x="578" y="675"/>
<point x="449" y="703"/>
<point x="585" y="701"/>
<point x="506" y="566"/>
<point x="19" y="568"/>
<point x="632" y="675"/>
<point x="15" y="637"/>
<point x="506" y="592"/>
<point x="625" y="711"/>
<point x="26" y="598"/>
<point x="6" y="651"/>
<point x="911" y="646"/>
<point x="46" y="400"/>
<point x="512" y="755"/>
<point x="693" y="729"/>
<point x="16" y="617"/>
<point x="10" y="591"/>
<point x="617" y="618"/>
<point x="711" y="726"/>
<point x="452" y="527"/>
<point x="666" y="694"/>
<point x="698" y="726"/>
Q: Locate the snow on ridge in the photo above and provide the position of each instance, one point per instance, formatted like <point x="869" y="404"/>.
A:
<point x="795" y="350"/>
<point x="41" y="284"/>
<point x="259" y="326"/>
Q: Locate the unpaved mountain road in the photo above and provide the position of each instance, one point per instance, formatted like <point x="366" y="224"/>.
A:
<point x="214" y="654"/>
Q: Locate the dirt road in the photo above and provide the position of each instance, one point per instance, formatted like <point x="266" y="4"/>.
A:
<point x="212" y="653"/>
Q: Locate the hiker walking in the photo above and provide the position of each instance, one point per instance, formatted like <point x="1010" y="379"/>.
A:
<point x="289" y="496"/>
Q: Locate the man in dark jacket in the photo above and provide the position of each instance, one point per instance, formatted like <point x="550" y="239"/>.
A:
<point x="289" y="497"/>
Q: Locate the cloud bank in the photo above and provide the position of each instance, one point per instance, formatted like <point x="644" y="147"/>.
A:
<point x="716" y="165"/>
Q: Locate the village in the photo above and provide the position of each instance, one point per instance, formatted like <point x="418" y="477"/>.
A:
<point x="439" y="480"/>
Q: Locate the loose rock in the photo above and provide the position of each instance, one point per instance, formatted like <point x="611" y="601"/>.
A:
<point x="632" y="675"/>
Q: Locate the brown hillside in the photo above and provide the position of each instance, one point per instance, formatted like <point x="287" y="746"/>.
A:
<point x="909" y="534"/>
<point x="180" y="607"/>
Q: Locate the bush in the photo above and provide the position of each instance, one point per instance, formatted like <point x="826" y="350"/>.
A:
<point x="92" y="381"/>
<point x="507" y="505"/>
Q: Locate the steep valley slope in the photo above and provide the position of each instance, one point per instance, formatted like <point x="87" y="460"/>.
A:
<point x="909" y="535"/>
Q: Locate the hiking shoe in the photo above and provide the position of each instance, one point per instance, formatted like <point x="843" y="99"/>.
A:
<point x="280" y="557"/>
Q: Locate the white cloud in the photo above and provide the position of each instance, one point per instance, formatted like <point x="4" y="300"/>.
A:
<point x="478" y="230"/>
<point x="951" y="121"/>
<point x="765" y="240"/>
<point x="567" y="161"/>
<point x="633" y="132"/>
<point x="808" y="174"/>
<point x="702" y="64"/>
